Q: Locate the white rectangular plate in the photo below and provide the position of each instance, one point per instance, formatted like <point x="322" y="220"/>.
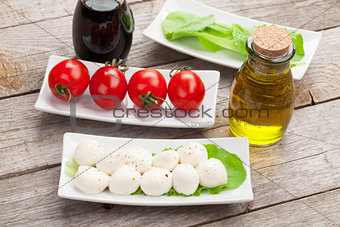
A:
<point x="191" y="45"/>
<point x="238" y="146"/>
<point x="86" y="108"/>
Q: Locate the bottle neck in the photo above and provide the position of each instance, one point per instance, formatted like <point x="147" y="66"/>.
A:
<point x="267" y="68"/>
<point x="268" y="65"/>
<point x="103" y="5"/>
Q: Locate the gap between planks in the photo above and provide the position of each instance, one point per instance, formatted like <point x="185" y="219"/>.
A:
<point x="134" y="2"/>
<point x="32" y="82"/>
<point x="249" y="210"/>
<point x="199" y="131"/>
<point x="50" y="18"/>
<point x="29" y="171"/>
<point x="20" y="94"/>
<point x="146" y="66"/>
<point x="39" y="168"/>
<point x="50" y="166"/>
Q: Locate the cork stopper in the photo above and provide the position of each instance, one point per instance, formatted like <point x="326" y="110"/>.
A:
<point x="271" y="41"/>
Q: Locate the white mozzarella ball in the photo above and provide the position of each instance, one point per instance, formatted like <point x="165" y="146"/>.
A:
<point x="156" y="181"/>
<point x="87" y="153"/>
<point x="193" y="154"/>
<point x="185" y="179"/>
<point x="124" y="180"/>
<point x="111" y="160"/>
<point x="138" y="158"/>
<point x="166" y="160"/>
<point x="212" y="173"/>
<point x="90" y="180"/>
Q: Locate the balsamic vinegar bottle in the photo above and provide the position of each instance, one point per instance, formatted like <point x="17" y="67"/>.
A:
<point x="102" y="30"/>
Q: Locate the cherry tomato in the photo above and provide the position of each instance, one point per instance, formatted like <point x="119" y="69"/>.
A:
<point x="68" y="79"/>
<point x="186" y="90"/>
<point x="110" y="81"/>
<point x="151" y="85"/>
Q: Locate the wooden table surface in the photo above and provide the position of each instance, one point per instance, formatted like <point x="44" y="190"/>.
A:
<point x="296" y="182"/>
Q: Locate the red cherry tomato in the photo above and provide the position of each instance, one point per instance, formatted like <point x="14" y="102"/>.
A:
<point x="110" y="81"/>
<point x="186" y="90"/>
<point x="147" y="82"/>
<point x="68" y="79"/>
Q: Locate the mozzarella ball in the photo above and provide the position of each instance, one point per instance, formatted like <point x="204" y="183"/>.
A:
<point x="156" y="181"/>
<point x="138" y="158"/>
<point x="193" y="154"/>
<point x="90" y="180"/>
<point x="166" y="160"/>
<point x="124" y="180"/>
<point x="87" y="153"/>
<point x="111" y="160"/>
<point x="185" y="179"/>
<point x="212" y="173"/>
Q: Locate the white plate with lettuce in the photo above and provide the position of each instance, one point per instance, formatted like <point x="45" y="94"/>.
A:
<point x="232" y="152"/>
<point x="218" y="36"/>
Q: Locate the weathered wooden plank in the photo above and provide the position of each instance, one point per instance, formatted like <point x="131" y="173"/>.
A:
<point x="309" y="15"/>
<point x="21" y="139"/>
<point x="281" y="184"/>
<point x="327" y="204"/>
<point x="27" y="135"/>
<point x="303" y="95"/>
<point x="37" y="10"/>
<point x="305" y="136"/>
<point x="309" y="151"/>
<point x="33" y="11"/>
<point x="321" y="79"/>
<point x="24" y="56"/>
<point x="322" y="94"/>
<point x="295" y="213"/>
<point x="59" y="211"/>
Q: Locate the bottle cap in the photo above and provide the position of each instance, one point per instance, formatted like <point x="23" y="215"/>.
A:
<point x="271" y="41"/>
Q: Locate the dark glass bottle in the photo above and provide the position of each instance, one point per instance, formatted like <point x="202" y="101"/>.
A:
<point x="102" y="29"/>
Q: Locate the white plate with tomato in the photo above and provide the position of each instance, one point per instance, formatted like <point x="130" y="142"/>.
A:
<point x="93" y="91"/>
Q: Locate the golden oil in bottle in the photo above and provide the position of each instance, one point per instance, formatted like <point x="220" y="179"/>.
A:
<point x="262" y="96"/>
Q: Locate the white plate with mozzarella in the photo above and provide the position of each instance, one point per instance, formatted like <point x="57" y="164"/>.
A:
<point x="68" y="189"/>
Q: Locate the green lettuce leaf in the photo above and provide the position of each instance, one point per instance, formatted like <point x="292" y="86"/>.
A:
<point x="72" y="167"/>
<point x="219" y="30"/>
<point x="169" y="148"/>
<point x="240" y="36"/>
<point x="298" y="42"/>
<point x="215" y="37"/>
<point x="180" y="24"/>
<point x="215" y="43"/>
<point x="139" y="191"/>
<point x="235" y="169"/>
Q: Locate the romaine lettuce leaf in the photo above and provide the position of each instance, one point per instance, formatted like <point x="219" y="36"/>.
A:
<point x="71" y="167"/>
<point x="215" y="37"/>
<point x="181" y="24"/>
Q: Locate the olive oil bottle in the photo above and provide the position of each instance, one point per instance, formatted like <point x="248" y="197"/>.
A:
<point x="262" y="96"/>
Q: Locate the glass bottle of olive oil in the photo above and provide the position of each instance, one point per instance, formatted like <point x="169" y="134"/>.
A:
<point x="262" y="95"/>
